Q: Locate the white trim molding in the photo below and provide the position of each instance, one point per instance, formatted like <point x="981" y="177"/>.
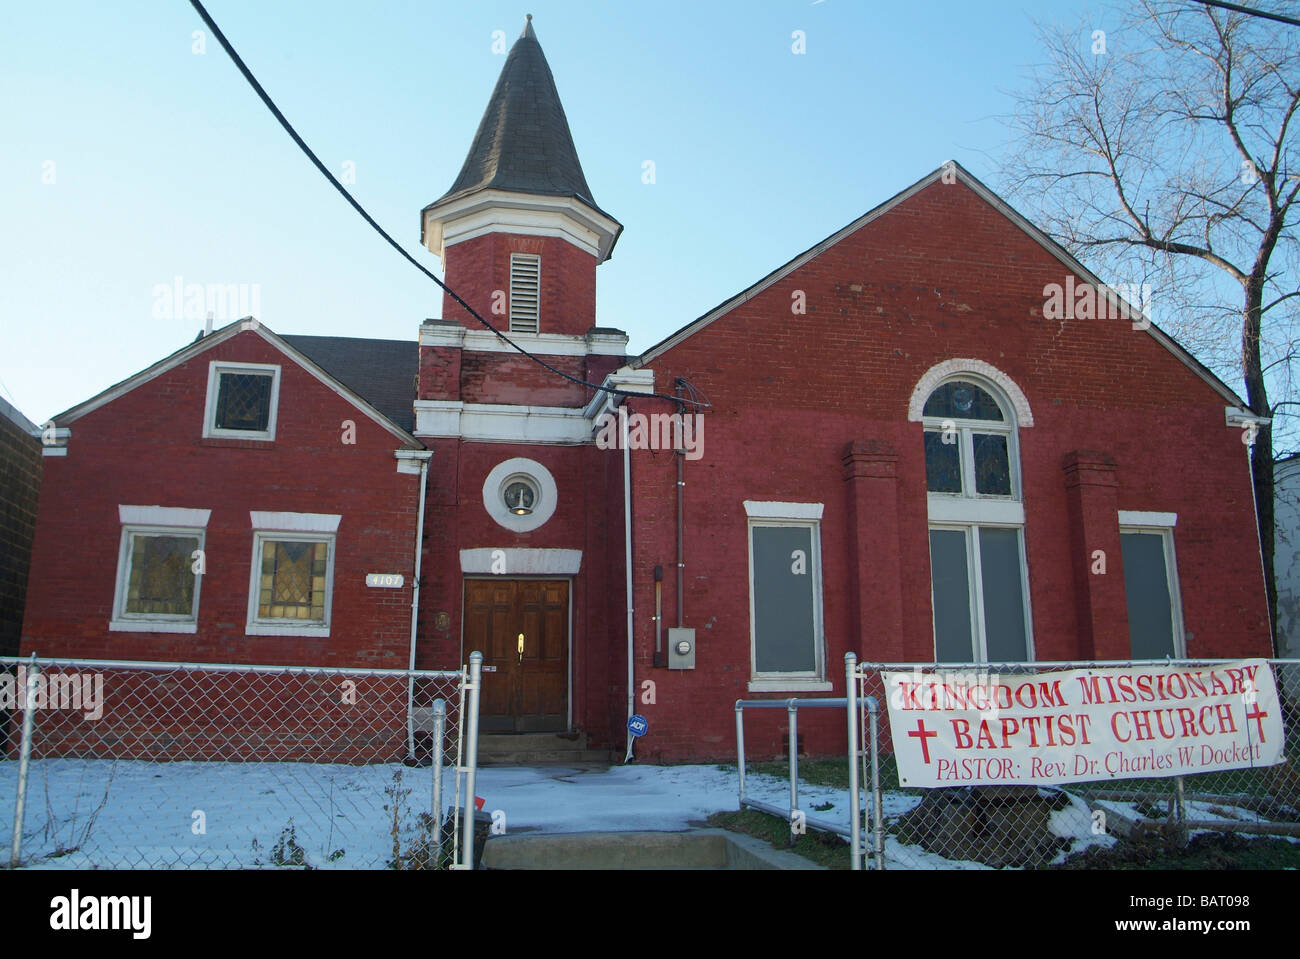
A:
<point x="455" y="336"/>
<point x="967" y="509"/>
<point x="521" y="562"/>
<point x="218" y="367"/>
<point x="789" y="685"/>
<point x="949" y="369"/>
<point x="412" y="461"/>
<point x="502" y="423"/>
<point x="163" y="516"/>
<point x="295" y="522"/>
<point x="525" y="214"/>
<point x="494" y="487"/>
<point x="767" y="510"/>
<point x="1129" y="517"/>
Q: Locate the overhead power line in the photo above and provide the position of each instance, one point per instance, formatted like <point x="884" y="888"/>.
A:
<point x="1239" y="8"/>
<point x="302" y="145"/>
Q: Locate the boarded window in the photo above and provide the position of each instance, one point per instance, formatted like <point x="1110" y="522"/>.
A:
<point x="785" y="593"/>
<point x="980" y="563"/>
<point x="525" y="292"/>
<point x="950" y="584"/>
<point x="1152" y="629"/>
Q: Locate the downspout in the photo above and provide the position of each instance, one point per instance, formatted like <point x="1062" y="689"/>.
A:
<point x="681" y="486"/>
<point x="415" y="613"/>
<point x="627" y="558"/>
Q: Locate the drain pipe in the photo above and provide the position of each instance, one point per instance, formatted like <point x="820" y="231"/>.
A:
<point x="423" y="456"/>
<point x="681" y="486"/>
<point x="627" y="558"/>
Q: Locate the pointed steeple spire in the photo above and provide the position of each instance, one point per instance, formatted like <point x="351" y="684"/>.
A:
<point x="522" y="174"/>
<point x="523" y="143"/>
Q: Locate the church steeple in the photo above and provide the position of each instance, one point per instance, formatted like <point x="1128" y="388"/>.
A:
<point x="522" y="172"/>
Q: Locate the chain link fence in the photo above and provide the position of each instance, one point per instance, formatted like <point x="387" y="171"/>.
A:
<point x="1096" y="823"/>
<point x="122" y="765"/>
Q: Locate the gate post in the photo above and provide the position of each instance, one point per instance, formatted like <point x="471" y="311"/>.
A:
<point x="24" y="755"/>
<point x="855" y="801"/>
<point x="470" y="726"/>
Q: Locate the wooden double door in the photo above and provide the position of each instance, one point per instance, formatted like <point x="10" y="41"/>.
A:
<point x="522" y="627"/>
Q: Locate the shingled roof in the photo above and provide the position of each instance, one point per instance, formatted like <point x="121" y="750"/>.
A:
<point x="523" y="143"/>
<point x="382" y="372"/>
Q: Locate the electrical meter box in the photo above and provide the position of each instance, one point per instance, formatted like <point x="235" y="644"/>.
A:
<point x="681" y="648"/>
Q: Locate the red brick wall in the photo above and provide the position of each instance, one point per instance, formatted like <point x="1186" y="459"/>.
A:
<point x="476" y="268"/>
<point x="455" y="519"/>
<point x="145" y="448"/>
<point x="941" y="276"/>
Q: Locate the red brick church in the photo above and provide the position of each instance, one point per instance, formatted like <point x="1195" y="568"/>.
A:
<point x="883" y="446"/>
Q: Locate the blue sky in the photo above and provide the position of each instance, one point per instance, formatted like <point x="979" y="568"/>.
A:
<point x="164" y="163"/>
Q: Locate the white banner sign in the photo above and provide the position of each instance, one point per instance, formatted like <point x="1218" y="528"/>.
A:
<point x="981" y="728"/>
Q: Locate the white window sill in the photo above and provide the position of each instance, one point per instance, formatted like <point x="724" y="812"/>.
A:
<point x="790" y="685"/>
<point x="151" y="626"/>
<point x="286" y="629"/>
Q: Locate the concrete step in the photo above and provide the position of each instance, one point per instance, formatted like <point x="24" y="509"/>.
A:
<point x="531" y="749"/>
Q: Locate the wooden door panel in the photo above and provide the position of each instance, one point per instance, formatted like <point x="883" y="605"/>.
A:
<point x="528" y="693"/>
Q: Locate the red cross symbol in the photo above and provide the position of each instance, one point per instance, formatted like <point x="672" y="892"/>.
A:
<point x="1258" y="716"/>
<point x="923" y="734"/>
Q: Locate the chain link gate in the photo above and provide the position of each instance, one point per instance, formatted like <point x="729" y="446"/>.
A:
<point x="1055" y="821"/>
<point x="119" y="764"/>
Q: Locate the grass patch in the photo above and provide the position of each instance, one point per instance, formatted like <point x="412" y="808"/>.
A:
<point x="824" y="849"/>
<point x="826" y="772"/>
<point x="1206" y="851"/>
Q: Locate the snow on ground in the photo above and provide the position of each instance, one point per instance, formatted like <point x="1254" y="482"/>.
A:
<point x="129" y="814"/>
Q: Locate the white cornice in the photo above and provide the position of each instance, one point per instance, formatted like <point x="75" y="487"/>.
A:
<point x="163" y="516"/>
<point x="498" y="211"/>
<point x="295" y="522"/>
<point x="543" y="344"/>
<point x="502" y="423"/>
<point x="521" y="562"/>
<point x="626" y="379"/>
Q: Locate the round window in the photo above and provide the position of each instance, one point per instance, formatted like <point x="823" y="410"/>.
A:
<point x="520" y="496"/>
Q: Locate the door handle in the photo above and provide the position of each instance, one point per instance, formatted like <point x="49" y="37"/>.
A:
<point x="520" y="645"/>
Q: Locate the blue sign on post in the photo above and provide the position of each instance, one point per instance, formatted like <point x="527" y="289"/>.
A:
<point x="637" y="725"/>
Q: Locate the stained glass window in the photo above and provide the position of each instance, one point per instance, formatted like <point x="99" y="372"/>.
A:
<point x="160" y="581"/>
<point x="293" y="580"/>
<point x="244" y="401"/>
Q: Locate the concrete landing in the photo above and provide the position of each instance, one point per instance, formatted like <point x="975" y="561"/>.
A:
<point x="693" y="849"/>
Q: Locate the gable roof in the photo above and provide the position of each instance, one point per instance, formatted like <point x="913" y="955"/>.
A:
<point x="217" y="337"/>
<point x="993" y="200"/>
<point x="381" y="371"/>
<point x="523" y="143"/>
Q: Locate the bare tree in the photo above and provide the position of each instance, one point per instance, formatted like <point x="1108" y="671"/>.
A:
<point x="1166" y="149"/>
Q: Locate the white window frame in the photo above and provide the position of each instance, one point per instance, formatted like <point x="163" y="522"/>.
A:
<point x="969" y="511"/>
<point x="257" y="626"/>
<point x="536" y="318"/>
<point x="803" y="516"/>
<point x="215" y="369"/>
<point x="1161" y="524"/>
<point x="121" y="620"/>
<point x="975" y="585"/>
